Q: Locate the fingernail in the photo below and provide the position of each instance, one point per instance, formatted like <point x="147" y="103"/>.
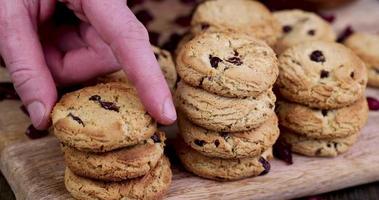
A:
<point x="169" y="110"/>
<point x="37" y="112"/>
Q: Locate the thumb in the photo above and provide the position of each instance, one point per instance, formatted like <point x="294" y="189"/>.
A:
<point x="22" y="53"/>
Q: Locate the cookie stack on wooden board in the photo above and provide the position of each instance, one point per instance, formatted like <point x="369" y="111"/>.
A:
<point x="226" y="105"/>
<point x="366" y="46"/>
<point x="111" y="145"/>
<point x="323" y="107"/>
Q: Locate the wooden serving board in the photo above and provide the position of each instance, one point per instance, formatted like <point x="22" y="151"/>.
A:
<point x="34" y="168"/>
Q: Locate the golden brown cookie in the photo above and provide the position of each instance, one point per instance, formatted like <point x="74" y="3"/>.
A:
<point x="244" y="16"/>
<point x="300" y="26"/>
<point x="153" y="185"/>
<point x="230" y="145"/>
<point x="117" y="165"/>
<point x="323" y="124"/>
<point x="366" y="46"/>
<point x="320" y="74"/>
<point x="222" y="169"/>
<point x="317" y="147"/>
<point x="230" y="65"/>
<point x="102" y="118"/>
<point x="224" y="113"/>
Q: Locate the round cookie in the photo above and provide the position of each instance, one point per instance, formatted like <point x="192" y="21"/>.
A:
<point x="244" y="16"/>
<point x="323" y="124"/>
<point x="118" y="165"/>
<point x="314" y="147"/>
<point x="300" y="26"/>
<point x="222" y="169"/>
<point x="321" y="74"/>
<point x="226" y="64"/>
<point x="230" y="145"/>
<point x="153" y="185"/>
<point x="165" y="61"/>
<point x="223" y="113"/>
<point x="102" y="118"/>
<point x="366" y="46"/>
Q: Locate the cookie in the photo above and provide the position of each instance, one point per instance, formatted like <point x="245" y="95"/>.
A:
<point x="317" y="147"/>
<point x="321" y="74"/>
<point x="245" y="16"/>
<point x="230" y="145"/>
<point x="153" y="185"/>
<point x="117" y="165"/>
<point x="300" y="26"/>
<point x="102" y="118"/>
<point x="366" y="46"/>
<point x="222" y="169"/>
<point x="223" y="113"/>
<point x="323" y="124"/>
<point x="230" y="65"/>
<point x="165" y="61"/>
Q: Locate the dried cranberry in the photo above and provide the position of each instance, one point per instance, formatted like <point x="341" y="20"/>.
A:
<point x="324" y="74"/>
<point x="7" y="91"/>
<point x="156" y="138"/>
<point x="235" y="60"/>
<point x="144" y="17"/>
<point x="266" y="165"/>
<point x="109" y="106"/>
<point x="214" y="61"/>
<point x="286" y="29"/>
<point x="183" y="21"/>
<point x="283" y="152"/>
<point x="95" y="98"/>
<point x="199" y="142"/>
<point x="352" y="75"/>
<point x="317" y="56"/>
<point x="217" y="143"/>
<point x="312" y="32"/>
<point x="373" y="103"/>
<point x="33" y="133"/>
<point x="77" y="119"/>
<point x="345" y="34"/>
<point x="204" y="26"/>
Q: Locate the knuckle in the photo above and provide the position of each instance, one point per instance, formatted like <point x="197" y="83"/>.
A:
<point x="22" y="76"/>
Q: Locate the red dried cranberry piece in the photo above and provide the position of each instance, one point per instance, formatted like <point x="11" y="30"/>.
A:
<point x="33" y="133"/>
<point x="266" y="165"/>
<point x="156" y="138"/>
<point x="287" y="29"/>
<point x="199" y="142"/>
<point x="217" y="143"/>
<point x="317" y="56"/>
<point x="214" y="61"/>
<point x="282" y="151"/>
<point x="7" y="91"/>
<point x="144" y="16"/>
<point x="373" y="103"/>
<point x="345" y="34"/>
<point x="312" y="32"/>
<point x="235" y="60"/>
<point x="183" y="21"/>
<point x="77" y="119"/>
<point x="154" y="37"/>
<point x="95" y="98"/>
<point x="109" y="106"/>
<point x="324" y="74"/>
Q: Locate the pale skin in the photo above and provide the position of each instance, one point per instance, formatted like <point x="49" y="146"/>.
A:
<point x="108" y="38"/>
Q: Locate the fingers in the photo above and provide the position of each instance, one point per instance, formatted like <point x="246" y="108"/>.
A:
<point x="22" y="53"/>
<point x="78" y="56"/>
<point x="129" y="41"/>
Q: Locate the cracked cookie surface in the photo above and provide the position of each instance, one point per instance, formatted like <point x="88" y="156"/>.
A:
<point x="230" y="145"/>
<point x="223" y="113"/>
<point x="300" y="26"/>
<point x="153" y="185"/>
<point x="222" y="169"/>
<point x="102" y="118"/>
<point x="117" y="165"/>
<point x="245" y="16"/>
<point x="366" y="46"/>
<point x="323" y="124"/>
<point x="322" y="75"/>
<point x="230" y="65"/>
<point x="317" y="147"/>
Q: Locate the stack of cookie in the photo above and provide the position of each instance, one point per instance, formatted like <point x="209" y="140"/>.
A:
<point x="226" y="105"/>
<point x="111" y="145"/>
<point x="323" y="107"/>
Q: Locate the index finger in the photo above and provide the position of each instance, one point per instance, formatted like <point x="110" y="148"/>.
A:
<point x="129" y="41"/>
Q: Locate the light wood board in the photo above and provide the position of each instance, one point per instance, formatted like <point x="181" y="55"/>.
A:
<point x="34" y="168"/>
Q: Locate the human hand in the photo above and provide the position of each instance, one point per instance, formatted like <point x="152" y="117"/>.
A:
<point x="108" y="36"/>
